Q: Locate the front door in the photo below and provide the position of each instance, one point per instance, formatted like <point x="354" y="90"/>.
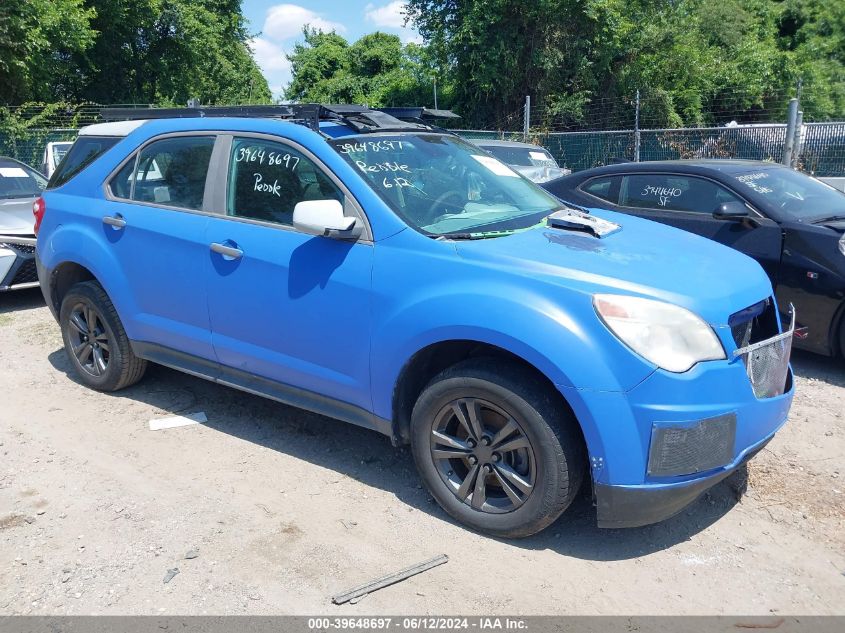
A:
<point x="688" y="202"/>
<point x="289" y="308"/>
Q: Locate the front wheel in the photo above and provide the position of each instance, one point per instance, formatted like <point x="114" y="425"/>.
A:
<point x="498" y="451"/>
<point x="95" y="340"/>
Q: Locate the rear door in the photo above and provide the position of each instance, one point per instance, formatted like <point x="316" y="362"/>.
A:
<point x="155" y="224"/>
<point x="290" y="308"/>
<point x="688" y="202"/>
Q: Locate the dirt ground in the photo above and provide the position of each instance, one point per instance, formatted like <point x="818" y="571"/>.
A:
<point x="284" y="509"/>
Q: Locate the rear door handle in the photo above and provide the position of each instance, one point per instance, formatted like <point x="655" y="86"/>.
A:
<point x="116" y="221"/>
<point x="229" y="252"/>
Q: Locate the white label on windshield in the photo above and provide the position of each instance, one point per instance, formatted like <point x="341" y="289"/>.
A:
<point x="500" y="169"/>
<point x="538" y="156"/>
<point x="12" y="172"/>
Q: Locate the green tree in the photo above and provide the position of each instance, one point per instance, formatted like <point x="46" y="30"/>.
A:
<point x="38" y="39"/>
<point x="377" y="69"/>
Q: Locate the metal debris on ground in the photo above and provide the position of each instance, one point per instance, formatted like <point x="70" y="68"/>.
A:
<point x="176" y="421"/>
<point x="191" y="554"/>
<point x="170" y="575"/>
<point x="386" y="581"/>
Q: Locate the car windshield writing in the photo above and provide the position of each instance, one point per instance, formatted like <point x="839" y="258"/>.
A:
<point x="17" y="181"/>
<point x="795" y="194"/>
<point x="440" y="184"/>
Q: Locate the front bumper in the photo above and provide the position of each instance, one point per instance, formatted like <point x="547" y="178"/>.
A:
<point x="635" y="506"/>
<point x="17" y="263"/>
<point x="621" y="429"/>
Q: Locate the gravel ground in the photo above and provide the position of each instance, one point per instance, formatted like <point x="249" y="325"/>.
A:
<point x="280" y="509"/>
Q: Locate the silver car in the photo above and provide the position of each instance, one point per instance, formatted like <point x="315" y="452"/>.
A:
<point x="20" y="186"/>
<point x="532" y="161"/>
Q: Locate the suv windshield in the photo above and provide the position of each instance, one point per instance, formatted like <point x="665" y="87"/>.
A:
<point x="795" y="194"/>
<point x="19" y="181"/>
<point x="441" y="185"/>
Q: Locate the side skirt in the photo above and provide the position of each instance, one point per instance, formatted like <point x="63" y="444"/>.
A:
<point x="244" y="381"/>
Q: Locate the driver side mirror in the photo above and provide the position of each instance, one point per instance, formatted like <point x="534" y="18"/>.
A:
<point x="325" y="218"/>
<point x="731" y="211"/>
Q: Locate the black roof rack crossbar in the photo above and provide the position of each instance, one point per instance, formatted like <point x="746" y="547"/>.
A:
<point x="128" y="114"/>
<point x="360" y="118"/>
<point x="419" y="112"/>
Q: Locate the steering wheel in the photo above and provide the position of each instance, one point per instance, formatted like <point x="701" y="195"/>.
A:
<point x="443" y="197"/>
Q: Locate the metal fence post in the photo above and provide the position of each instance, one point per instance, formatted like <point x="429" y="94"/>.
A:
<point x="637" y="128"/>
<point x="796" y="140"/>
<point x="526" y="119"/>
<point x="791" y="120"/>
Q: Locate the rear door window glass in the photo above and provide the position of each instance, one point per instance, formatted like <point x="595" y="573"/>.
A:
<point x="172" y="172"/>
<point x="85" y="150"/>
<point x="268" y="179"/>
<point x="673" y="192"/>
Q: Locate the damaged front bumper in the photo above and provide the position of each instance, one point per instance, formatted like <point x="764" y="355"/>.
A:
<point x="17" y="263"/>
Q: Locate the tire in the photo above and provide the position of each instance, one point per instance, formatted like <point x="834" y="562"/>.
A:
<point x="543" y="461"/>
<point x="100" y="354"/>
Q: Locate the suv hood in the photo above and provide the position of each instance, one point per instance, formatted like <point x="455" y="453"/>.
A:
<point x="16" y="216"/>
<point x="644" y="258"/>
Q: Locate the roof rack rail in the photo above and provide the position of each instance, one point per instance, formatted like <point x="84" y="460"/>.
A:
<point x="419" y="112"/>
<point x="360" y="118"/>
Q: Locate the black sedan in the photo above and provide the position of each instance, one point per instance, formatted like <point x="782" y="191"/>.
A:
<point x="794" y="225"/>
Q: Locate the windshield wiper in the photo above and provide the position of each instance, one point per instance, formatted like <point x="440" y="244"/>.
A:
<point x="482" y="235"/>
<point x="827" y="219"/>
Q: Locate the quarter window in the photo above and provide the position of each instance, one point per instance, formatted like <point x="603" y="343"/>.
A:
<point x="673" y="193"/>
<point x="606" y="188"/>
<point x="170" y="172"/>
<point x="268" y="179"/>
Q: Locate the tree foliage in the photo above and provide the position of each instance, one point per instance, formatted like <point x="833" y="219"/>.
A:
<point x="693" y="60"/>
<point x="127" y="51"/>
<point x="377" y="70"/>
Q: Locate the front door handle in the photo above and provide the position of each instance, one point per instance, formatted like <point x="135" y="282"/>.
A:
<point x="229" y="252"/>
<point x="116" y="221"/>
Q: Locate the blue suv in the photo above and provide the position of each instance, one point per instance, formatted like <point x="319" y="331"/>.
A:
<point x="387" y="273"/>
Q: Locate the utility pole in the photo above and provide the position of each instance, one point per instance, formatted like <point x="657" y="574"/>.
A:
<point x="637" y="128"/>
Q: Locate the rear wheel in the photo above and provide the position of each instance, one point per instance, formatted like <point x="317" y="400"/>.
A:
<point x="497" y="451"/>
<point x="95" y="340"/>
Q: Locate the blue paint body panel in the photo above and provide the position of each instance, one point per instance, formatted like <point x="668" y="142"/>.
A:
<point x="342" y="319"/>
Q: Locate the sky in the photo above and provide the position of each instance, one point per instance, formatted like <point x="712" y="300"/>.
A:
<point x="278" y="26"/>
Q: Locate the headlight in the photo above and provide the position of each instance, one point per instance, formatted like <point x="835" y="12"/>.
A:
<point x="669" y="336"/>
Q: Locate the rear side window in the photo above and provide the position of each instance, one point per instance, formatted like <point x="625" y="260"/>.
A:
<point x="673" y="192"/>
<point x="85" y="150"/>
<point x="170" y="172"/>
<point x="606" y="188"/>
<point x="268" y="179"/>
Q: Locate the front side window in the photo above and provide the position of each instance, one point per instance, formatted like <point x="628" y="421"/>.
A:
<point x="441" y="185"/>
<point x="673" y="192"/>
<point x="268" y="179"/>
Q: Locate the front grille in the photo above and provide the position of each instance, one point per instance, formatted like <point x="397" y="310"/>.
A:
<point x="26" y="274"/>
<point x="754" y="324"/>
<point x="684" y="448"/>
<point x="23" y="249"/>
